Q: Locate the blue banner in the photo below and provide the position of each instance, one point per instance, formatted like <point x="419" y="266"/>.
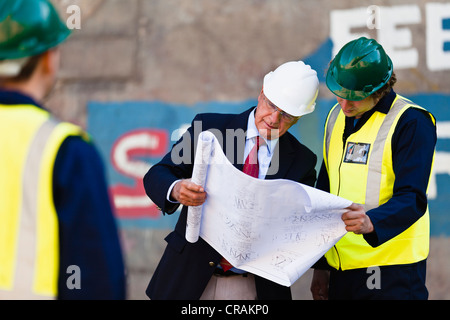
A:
<point x="131" y="136"/>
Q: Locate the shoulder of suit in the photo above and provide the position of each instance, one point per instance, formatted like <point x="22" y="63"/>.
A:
<point x="298" y="146"/>
<point x="214" y="116"/>
<point x="213" y="120"/>
<point x="219" y="120"/>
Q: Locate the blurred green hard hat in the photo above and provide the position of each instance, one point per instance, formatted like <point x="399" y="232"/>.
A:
<point x="28" y="28"/>
<point x="359" y="69"/>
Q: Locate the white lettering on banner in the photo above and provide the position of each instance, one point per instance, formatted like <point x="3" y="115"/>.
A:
<point x="443" y="129"/>
<point x="397" y="41"/>
<point x="125" y="157"/>
<point x="134" y="201"/>
<point x="437" y="58"/>
<point x="342" y="22"/>
<point x="441" y="159"/>
<point x="133" y="167"/>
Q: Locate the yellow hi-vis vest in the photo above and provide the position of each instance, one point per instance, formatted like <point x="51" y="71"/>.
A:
<point x="363" y="173"/>
<point x="29" y="240"/>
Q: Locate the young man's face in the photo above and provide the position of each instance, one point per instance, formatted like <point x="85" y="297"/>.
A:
<point x="356" y="108"/>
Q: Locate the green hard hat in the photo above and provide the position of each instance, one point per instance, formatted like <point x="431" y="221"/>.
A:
<point x="359" y="69"/>
<point x="28" y="28"/>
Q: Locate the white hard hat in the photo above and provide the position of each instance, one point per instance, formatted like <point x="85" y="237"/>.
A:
<point x="292" y="87"/>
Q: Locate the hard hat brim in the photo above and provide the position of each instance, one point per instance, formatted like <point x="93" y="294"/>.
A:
<point x="35" y="50"/>
<point x="344" y="93"/>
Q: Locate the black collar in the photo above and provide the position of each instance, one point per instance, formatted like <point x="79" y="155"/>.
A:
<point x="11" y="97"/>
<point x="385" y="103"/>
<point x="383" y="106"/>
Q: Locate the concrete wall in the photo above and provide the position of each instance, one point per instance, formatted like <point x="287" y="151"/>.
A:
<point x="147" y="66"/>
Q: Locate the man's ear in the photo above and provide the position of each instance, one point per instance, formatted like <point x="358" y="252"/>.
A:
<point x="50" y="61"/>
<point x="261" y="94"/>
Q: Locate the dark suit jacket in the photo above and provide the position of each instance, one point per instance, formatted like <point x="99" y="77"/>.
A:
<point x="186" y="268"/>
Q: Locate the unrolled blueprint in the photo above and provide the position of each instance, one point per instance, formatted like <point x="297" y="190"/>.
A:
<point x="276" y="229"/>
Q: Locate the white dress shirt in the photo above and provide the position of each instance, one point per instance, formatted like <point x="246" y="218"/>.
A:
<point x="265" y="151"/>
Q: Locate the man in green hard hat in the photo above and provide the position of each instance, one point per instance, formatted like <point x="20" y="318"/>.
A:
<point x="58" y="234"/>
<point x="378" y="152"/>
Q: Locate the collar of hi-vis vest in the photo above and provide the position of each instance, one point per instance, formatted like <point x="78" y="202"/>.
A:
<point x="382" y="106"/>
<point x="10" y="97"/>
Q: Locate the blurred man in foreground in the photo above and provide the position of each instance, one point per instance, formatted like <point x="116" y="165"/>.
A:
<point x="58" y="234"/>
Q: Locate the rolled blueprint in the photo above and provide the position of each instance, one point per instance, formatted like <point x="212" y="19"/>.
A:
<point x="201" y="162"/>
<point x="276" y="229"/>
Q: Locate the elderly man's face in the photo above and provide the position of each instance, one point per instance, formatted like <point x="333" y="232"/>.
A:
<point x="270" y="120"/>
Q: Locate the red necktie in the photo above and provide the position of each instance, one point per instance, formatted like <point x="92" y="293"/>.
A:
<point x="251" y="167"/>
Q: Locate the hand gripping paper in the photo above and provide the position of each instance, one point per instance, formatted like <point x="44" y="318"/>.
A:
<point x="276" y="229"/>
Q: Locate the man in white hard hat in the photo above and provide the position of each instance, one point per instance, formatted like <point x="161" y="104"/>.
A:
<point x="195" y="270"/>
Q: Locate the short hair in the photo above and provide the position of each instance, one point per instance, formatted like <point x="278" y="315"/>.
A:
<point x="384" y="90"/>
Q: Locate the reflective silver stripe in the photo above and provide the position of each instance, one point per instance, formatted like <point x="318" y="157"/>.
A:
<point x="27" y="238"/>
<point x="376" y="158"/>
<point x="330" y="126"/>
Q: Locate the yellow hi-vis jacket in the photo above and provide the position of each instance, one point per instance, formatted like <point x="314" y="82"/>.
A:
<point x="29" y="240"/>
<point x="363" y="173"/>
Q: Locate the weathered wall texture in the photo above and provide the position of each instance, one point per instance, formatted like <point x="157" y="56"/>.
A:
<point x="185" y="52"/>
